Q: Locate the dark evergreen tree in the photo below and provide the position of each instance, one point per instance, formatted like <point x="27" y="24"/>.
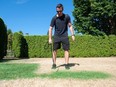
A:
<point x="3" y="39"/>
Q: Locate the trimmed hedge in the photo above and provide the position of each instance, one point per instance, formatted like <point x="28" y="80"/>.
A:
<point x="84" y="46"/>
<point x="90" y="46"/>
<point x="19" y="46"/>
<point x="38" y="46"/>
<point x="112" y="43"/>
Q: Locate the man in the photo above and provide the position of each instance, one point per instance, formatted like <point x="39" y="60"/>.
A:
<point x="61" y="22"/>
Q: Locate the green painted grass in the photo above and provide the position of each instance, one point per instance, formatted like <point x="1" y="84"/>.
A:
<point x="16" y="70"/>
<point x="77" y="75"/>
<point x="20" y="70"/>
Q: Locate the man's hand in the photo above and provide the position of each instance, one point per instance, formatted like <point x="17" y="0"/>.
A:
<point x="50" y="41"/>
<point x="72" y="31"/>
<point x="73" y="37"/>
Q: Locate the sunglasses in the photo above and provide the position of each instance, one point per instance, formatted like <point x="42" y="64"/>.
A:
<point x="59" y="11"/>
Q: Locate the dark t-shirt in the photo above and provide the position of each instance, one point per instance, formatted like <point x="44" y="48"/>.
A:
<point x="60" y="24"/>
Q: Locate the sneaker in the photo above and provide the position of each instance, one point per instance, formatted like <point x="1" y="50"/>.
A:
<point x="54" y="66"/>
<point x="67" y="66"/>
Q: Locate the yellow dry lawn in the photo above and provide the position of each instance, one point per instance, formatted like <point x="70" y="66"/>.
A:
<point x="106" y="64"/>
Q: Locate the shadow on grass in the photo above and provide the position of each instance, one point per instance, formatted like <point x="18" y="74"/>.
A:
<point x="70" y="65"/>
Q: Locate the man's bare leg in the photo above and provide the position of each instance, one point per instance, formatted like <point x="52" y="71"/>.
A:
<point x="54" y="56"/>
<point x="66" y="54"/>
<point x="54" y="59"/>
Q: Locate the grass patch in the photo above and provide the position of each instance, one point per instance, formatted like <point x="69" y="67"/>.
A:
<point x="20" y="70"/>
<point x="17" y="70"/>
<point x="77" y="75"/>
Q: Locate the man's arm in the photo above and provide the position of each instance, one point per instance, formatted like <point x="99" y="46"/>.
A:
<point x="72" y="31"/>
<point x="50" y="35"/>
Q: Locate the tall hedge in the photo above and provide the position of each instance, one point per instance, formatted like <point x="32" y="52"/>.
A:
<point x="112" y="43"/>
<point x="38" y="46"/>
<point x="90" y="46"/>
<point x="19" y="47"/>
<point x="3" y="39"/>
<point x="84" y="46"/>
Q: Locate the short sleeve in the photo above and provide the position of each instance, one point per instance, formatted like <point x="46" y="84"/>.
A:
<point x="68" y="18"/>
<point x="53" y="21"/>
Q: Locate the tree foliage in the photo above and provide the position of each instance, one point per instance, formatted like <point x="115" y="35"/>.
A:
<point x="3" y="39"/>
<point x="10" y="35"/>
<point x="95" y="17"/>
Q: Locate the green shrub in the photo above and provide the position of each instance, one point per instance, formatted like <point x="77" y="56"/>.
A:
<point x="112" y="42"/>
<point x="20" y="46"/>
<point x="38" y="46"/>
<point x="91" y="46"/>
